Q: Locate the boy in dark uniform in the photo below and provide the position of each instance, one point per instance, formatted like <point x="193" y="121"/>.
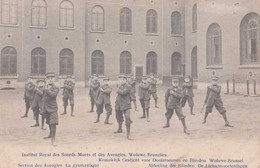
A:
<point x="68" y="95"/>
<point x="153" y="89"/>
<point x="28" y="95"/>
<point x="173" y="97"/>
<point x="50" y="107"/>
<point x="144" y="97"/>
<point x="187" y="88"/>
<point x="213" y="98"/>
<point x="94" y="91"/>
<point x="132" y="82"/>
<point x="103" y="99"/>
<point x="123" y="105"/>
<point x="37" y="103"/>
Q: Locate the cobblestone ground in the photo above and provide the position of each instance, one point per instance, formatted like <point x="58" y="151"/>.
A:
<point x="81" y="132"/>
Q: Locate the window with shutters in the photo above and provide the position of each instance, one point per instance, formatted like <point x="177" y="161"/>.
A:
<point x="125" y="20"/>
<point x="8" y="61"/>
<point x="194" y="63"/>
<point x="9" y="12"/>
<point x="66" y="14"/>
<point x="250" y="39"/>
<point x="97" y="62"/>
<point x="39" y="13"/>
<point x="176" y="23"/>
<point x="38" y="62"/>
<point x="125" y="62"/>
<point x="151" y="63"/>
<point x="151" y="21"/>
<point x="66" y="62"/>
<point x="176" y="64"/>
<point x="194" y="18"/>
<point x="98" y="19"/>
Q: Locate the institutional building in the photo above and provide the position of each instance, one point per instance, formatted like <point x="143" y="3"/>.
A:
<point x="109" y="37"/>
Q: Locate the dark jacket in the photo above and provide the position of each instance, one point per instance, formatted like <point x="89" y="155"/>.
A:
<point x="68" y="89"/>
<point x="123" y="100"/>
<point x="49" y="98"/>
<point x="173" y="99"/>
<point x="29" y="90"/>
<point x="213" y="95"/>
<point x="37" y="99"/>
<point x="94" y="89"/>
<point x="104" y="96"/>
<point x="188" y="89"/>
<point x="144" y="91"/>
<point x="132" y="82"/>
<point x="153" y="83"/>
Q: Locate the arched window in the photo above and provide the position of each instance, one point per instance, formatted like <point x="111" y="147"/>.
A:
<point x="250" y="39"/>
<point x="151" y="21"/>
<point x="176" y="23"/>
<point x="97" y="62"/>
<point x="9" y="12"/>
<point x="66" y="14"/>
<point x="194" y="63"/>
<point x="39" y="13"/>
<point x="38" y="62"/>
<point x="97" y="19"/>
<point x="176" y="66"/>
<point x="8" y="61"/>
<point x="151" y="63"/>
<point x="125" y="62"/>
<point x="214" y="45"/>
<point x="125" y="20"/>
<point x="194" y="18"/>
<point x="66" y="62"/>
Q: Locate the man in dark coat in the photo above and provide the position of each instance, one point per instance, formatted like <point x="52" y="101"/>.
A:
<point x="173" y="97"/>
<point x="123" y="105"/>
<point x="187" y="88"/>
<point x="28" y="95"/>
<point x="213" y="98"/>
<point x="37" y="102"/>
<point x="103" y="99"/>
<point x="153" y="88"/>
<point x="94" y="91"/>
<point x="144" y="97"/>
<point x="132" y="82"/>
<point x="50" y="107"/>
<point x="68" y="95"/>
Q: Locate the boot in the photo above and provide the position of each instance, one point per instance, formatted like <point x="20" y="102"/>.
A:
<point x="97" y="121"/>
<point x="37" y="121"/>
<point x="191" y="111"/>
<point x="143" y="114"/>
<point x="65" y="111"/>
<point x="135" y="106"/>
<point x="53" y="134"/>
<point x="185" y="127"/>
<point x="107" y="120"/>
<point x="205" y="118"/>
<point x="26" y="113"/>
<point x="128" y="132"/>
<point x="156" y="103"/>
<point x="167" y="123"/>
<point x="147" y="112"/>
<point x="72" y="110"/>
<point x="43" y="123"/>
<point x="119" y="129"/>
<point x="49" y="136"/>
<point x="92" y="108"/>
<point x="226" y="120"/>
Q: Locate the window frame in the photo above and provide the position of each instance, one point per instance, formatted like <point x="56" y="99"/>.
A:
<point x="39" y="62"/>
<point x="96" y="20"/>
<point x="8" y="6"/>
<point x="66" y="15"/>
<point x="38" y="18"/>
<point x="125" y="20"/>
<point x="9" y="62"/>
<point x="67" y="57"/>
<point x="102" y="64"/>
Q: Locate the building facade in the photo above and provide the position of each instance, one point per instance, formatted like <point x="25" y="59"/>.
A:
<point x="109" y="37"/>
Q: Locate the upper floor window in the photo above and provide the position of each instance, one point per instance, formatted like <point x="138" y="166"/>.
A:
<point x="176" y="23"/>
<point x="214" y="45"/>
<point x="151" y="21"/>
<point x="97" y="19"/>
<point x="125" y="20"/>
<point x="39" y="13"/>
<point x="250" y="39"/>
<point x="8" y="61"/>
<point x="194" y="18"/>
<point x="9" y="12"/>
<point x="66" y="14"/>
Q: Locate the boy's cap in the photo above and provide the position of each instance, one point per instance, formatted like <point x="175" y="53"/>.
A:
<point x="214" y="78"/>
<point x="50" y="74"/>
<point x="175" y="79"/>
<point x="40" y="80"/>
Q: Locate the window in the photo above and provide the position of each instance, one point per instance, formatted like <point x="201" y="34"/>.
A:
<point x="66" y="14"/>
<point x="97" y="20"/>
<point x="97" y="62"/>
<point x="66" y="62"/>
<point x="125" y="20"/>
<point x="194" y="63"/>
<point x="8" y="61"/>
<point x="151" y="63"/>
<point x="38" y="62"/>
<point x="125" y="62"/>
<point x="39" y="13"/>
<point x="176" y="23"/>
<point x="194" y="18"/>
<point x="151" y="21"/>
<point x="176" y="64"/>
<point x="9" y="12"/>
<point x="214" y="48"/>
<point x="250" y="39"/>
